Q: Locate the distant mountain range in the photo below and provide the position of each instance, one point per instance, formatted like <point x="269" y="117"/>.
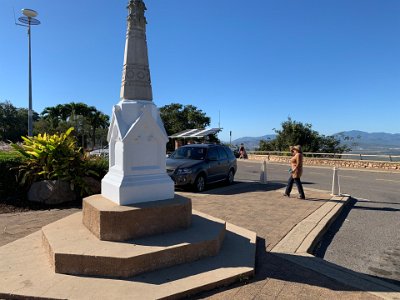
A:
<point x="359" y="141"/>
<point x="252" y="142"/>
<point x="375" y="141"/>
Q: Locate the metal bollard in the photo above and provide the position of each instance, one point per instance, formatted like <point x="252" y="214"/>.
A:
<point x="335" y="183"/>
<point x="263" y="173"/>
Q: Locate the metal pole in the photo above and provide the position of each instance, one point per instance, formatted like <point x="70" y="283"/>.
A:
<point x="29" y="19"/>
<point x="30" y="113"/>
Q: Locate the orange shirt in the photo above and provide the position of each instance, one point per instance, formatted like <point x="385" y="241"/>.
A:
<point x="296" y="163"/>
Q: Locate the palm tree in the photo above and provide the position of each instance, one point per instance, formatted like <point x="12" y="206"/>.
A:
<point x="96" y="120"/>
<point x="53" y="115"/>
<point x="76" y="114"/>
<point x="79" y="115"/>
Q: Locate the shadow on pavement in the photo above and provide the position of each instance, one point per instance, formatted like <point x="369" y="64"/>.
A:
<point x="321" y="200"/>
<point x="279" y="266"/>
<point x="369" y="201"/>
<point x="327" y="239"/>
<point x="240" y="187"/>
<point x="307" y="183"/>
<point x="377" y="208"/>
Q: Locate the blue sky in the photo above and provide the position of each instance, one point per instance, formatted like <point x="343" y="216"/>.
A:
<point x="247" y="64"/>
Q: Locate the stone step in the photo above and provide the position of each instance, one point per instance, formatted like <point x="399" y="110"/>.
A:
<point x="26" y="273"/>
<point x="73" y="249"/>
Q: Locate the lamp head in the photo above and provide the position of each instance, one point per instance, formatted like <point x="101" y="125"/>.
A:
<point x="30" y="13"/>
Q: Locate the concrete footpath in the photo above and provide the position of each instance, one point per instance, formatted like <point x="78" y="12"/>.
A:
<point x="287" y="228"/>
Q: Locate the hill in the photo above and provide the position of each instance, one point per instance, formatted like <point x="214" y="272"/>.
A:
<point x="251" y="143"/>
<point x="359" y="141"/>
<point x="371" y="142"/>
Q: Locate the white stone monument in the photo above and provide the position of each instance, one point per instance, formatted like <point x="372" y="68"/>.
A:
<point x="136" y="136"/>
<point x="148" y="250"/>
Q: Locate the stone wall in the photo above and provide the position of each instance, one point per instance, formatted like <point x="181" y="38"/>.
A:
<point x="330" y="162"/>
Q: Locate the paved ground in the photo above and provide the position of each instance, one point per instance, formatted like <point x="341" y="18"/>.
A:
<point x="260" y="208"/>
<point x="14" y="226"/>
<point x="366" y="238"/>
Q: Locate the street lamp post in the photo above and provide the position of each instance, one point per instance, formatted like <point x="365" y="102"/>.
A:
<point x="29" y="19"/>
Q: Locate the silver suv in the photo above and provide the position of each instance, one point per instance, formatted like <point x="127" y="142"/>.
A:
<point x="200" y="164"/>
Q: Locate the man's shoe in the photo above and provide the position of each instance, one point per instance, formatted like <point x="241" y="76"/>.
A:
<point x="300" y="197"/>
<point x="286" y="195"/>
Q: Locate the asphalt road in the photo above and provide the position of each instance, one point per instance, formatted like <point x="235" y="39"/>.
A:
<point x="366" y="237"/>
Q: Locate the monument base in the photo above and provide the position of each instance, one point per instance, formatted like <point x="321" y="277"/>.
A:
<point x="74" y="250"/>
<point x="126" y="190"/>
<point x="68" y="259"/>
<point x="26" y="273"/>
<point x="102" y="216"/>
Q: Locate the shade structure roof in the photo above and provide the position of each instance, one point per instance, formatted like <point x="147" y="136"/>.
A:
<point x="195" y="133"/>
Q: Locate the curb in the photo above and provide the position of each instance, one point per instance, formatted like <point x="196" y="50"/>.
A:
<point x="299" y="243"/>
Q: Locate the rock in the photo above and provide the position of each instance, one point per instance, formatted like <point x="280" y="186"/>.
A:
<point x="51" y="192"/>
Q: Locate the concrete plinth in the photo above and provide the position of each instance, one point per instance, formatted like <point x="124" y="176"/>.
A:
<point x="26" y="273"/>
<point x="72" y="249"/>
<point x="102" y="217"/>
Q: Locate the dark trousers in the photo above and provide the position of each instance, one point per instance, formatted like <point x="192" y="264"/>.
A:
<point x="298" y="184"/>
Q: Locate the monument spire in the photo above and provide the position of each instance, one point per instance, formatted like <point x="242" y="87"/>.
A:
<point x="136" y="137"/>
<point x="136" y="83"/>
<point x="136" y="14"/>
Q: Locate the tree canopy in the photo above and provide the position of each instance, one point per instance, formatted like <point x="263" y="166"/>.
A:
<point x="177" y="117"/>
<point x="13" y="122"/>
<point x="90" y="125"/>
<point x="86" y="120"/>
<point x="297" y="133"/>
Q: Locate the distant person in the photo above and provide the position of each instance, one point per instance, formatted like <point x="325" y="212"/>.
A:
<point x="242" y="152"/>
<point x="296" y="170"/>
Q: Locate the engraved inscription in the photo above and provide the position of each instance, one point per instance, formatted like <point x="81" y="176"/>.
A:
<point x="134" y="72"/>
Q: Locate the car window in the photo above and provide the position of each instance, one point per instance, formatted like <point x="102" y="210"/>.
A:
<point x="212" y="154"/>
<point x="222" y="154"/>
<point x="178" y="154"/>
<point x="189" y="153"/>
<point x="198" y="153"/>
<point x="229" y="152"/>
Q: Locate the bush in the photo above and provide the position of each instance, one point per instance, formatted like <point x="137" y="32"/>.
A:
<point x="9" y="162"/>
<point x="99" y="165"/>
<point x="54" y="157"/>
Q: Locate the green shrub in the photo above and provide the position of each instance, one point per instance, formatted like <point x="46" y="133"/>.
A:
<point x="54" y="157"/>
<point x="9" y="162"/>
<point x="99" y="165"/>
<point x="9" y="155"/>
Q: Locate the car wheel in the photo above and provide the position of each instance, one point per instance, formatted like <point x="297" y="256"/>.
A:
<point x="231" y="177"/>
<point x="199" y="184"/>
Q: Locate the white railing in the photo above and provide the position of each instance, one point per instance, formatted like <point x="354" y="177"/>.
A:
<point x="352" y="156"/>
